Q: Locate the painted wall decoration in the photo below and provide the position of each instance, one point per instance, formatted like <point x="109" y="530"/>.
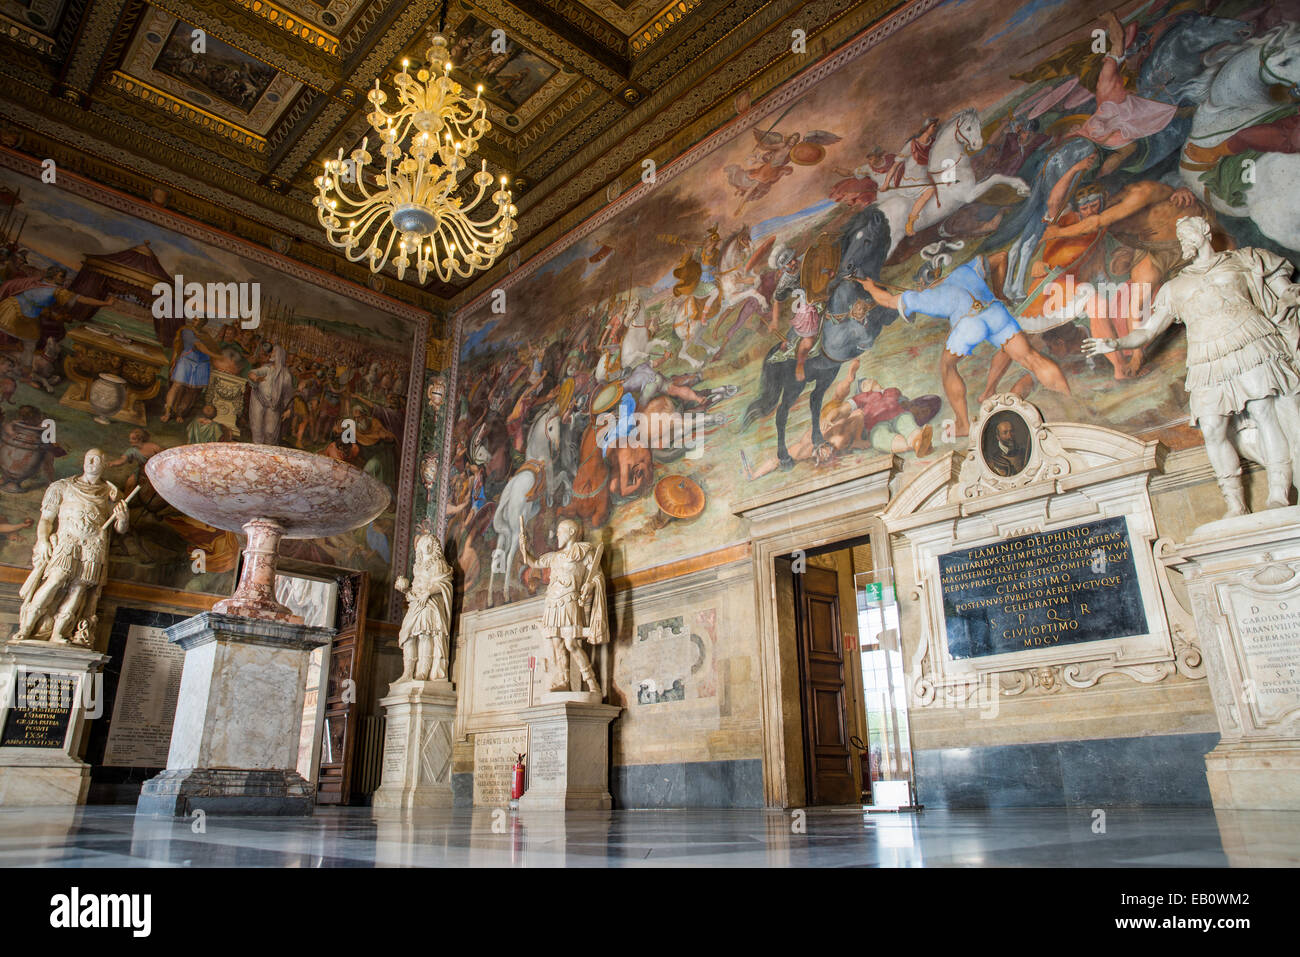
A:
<point x="85" y="362"/>
<point x="670" y="659"/>
<point x="943" y="209"/>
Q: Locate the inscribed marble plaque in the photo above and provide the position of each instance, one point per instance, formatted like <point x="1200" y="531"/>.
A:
<point x="502" y="679"/>
<point x="394" y="747"/>
<point x="40" y="711"/>
<point x="1059" y="587"/>
<point x="140" y="733"/>
<point x="1267" y="633"/>
<point x="494" y="761"/>
<point x="548" y="755"/>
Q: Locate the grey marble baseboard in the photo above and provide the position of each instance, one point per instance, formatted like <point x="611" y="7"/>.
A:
<point x="689" y="784"/>
<point x="1166" y="770"/>
<point x="462" y="790"/>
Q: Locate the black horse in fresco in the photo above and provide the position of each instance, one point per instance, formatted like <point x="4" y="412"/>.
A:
<point x="864" y="245"/>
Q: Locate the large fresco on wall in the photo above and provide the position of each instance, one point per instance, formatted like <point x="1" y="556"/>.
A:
<point x="845" y="271"/>
<point x="85" y="362"/>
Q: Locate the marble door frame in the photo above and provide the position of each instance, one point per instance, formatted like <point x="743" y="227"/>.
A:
<point x="822" y="511"/>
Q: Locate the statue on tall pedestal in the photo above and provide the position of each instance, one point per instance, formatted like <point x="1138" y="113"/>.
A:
<point x="575" y="603"/>
<point x="1243" y="370"/>
<point x="426" y="629"/>
<point x="70" y="563"/>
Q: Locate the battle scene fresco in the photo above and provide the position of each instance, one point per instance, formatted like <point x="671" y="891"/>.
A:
<point x="86" y="361"/>
<point x="847" y="272"/>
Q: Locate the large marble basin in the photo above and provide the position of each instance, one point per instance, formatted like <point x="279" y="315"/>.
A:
<point x="268" y="493"/>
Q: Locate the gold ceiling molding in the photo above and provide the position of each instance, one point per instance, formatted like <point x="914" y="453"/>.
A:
<point x="25" y="35"/>
<point x="293" y="24"/>
<point x="101" y="21"/>
<point x="706" y="77"/>
<point x="550" y="120"/>
<point x="257" y="39"/>
<point x="661" y="24"/>
<point x="580" y="15"/>
<point x="408" y="26"/>
<point x="184" y="110"/>
<point x="309" y="144"/>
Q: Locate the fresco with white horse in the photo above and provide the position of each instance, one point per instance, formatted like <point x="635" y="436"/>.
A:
<point x="791" y="296"/>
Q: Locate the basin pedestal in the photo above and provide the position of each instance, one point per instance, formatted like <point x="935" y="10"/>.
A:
<point x="234" y="747"/>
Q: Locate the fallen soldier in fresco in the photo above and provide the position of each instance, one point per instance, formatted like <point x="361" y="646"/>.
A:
<point x="872" y="417"/>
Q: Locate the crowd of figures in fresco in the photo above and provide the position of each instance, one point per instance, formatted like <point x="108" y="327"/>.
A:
<point x="291" y="379"/>
<point x="823" y="287"/>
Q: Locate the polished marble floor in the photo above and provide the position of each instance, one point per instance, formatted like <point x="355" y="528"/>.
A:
<point x="360" y="837"/>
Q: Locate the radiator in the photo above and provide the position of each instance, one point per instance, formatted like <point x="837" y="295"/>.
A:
<point x="370" y="757"/>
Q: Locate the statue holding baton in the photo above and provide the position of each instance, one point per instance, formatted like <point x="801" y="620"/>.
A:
<point x="575" y="602"/>
<point x="70" y="559"/>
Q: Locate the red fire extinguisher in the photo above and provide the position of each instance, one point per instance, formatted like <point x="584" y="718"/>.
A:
<point x="517" y="784"/>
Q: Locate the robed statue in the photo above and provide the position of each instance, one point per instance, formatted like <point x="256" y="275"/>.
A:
<point x="1243" y="370"/>
<point x="576" y="612"/>
<point x="70" y="559"/>
<point x="426" y="630"/>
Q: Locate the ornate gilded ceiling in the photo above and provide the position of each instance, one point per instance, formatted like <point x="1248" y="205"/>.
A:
<point x="224" y="109"/>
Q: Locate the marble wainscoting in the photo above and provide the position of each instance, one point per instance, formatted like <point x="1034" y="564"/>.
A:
<point x="689" y="784"/>
<point x="737" y="784"/>
<point x="1162" y="770"/>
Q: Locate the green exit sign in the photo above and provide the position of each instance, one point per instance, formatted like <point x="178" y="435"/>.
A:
<point x="878" y="593"/>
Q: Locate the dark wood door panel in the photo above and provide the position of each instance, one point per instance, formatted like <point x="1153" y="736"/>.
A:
<point x="828" y="761"/>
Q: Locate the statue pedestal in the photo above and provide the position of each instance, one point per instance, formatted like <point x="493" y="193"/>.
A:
<point x="47" y="693"/>
<point x="234" y="747"/>
<point x="568" y="753"/>
<point x="420" y="716"/>
<point x="1243" y="578"/>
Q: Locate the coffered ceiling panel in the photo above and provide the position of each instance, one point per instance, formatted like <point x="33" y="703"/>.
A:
<point x="235" y="127"/>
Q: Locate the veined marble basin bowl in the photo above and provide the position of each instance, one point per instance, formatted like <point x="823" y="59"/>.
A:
<point x="228" y="484"/>
<point x="269" y="493"/>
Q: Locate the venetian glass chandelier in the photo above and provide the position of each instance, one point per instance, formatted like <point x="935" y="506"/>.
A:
<point x="415" y="213"/>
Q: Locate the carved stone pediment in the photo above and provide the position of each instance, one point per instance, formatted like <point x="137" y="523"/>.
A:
<point x="1024" y="489"/>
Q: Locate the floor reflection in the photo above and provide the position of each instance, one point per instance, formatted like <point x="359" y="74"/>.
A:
<point x="498" y="837"/>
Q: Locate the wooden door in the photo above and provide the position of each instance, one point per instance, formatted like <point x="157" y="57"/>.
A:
<point x="347" y="689"/>
<point x="828" y="761"/>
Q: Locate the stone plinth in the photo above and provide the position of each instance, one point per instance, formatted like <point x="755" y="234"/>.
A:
<point x="1243" y="578"/>
<point x="234" y="746"/>
<point x="47" y="693"/>
<point x="568" y="755"/>
<point x="420" y="717"/>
